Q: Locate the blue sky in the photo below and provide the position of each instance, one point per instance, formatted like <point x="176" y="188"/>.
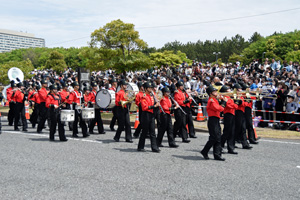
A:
<point x="69" y="23"/>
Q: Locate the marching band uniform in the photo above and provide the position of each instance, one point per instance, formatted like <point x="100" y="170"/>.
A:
<point x="122" y="116"/>
<point x="11" y="113"/>
<point x="189" y="117"/>
<point x="34" y="98"/>
<point x="148" y="123"/>
<point x="75" y="100"/>
<point x="180" y="123"/>
<point x="156" y="110"/>
<point x="138" y="99"/>
<point x="114" y="109"/>
<point x="213" y="110"/>
<point x="19" y="97"/>
<point x="166" y="120"/>
<point x="249" y="122"/>
<point x="43" y="111"/>
<point x="54" y="99"/>
<point x="229" y="123"/>
<point x="97" y="118"/>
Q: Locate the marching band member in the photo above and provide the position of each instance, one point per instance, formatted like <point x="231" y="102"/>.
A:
<point x="11" y="113"/>
<point x="138" y="99"/>
<point x="189" y="117"/>
<point x="64" y="94"/>
<point x="148" y="123"/>
<point x="43" y="111"/>
<point x="97" y="118"/>
<point x="35" y="102"/>
<point x="229" y="122"/>
<point x="113" y="87"/>
<point x="166" y="120"/>
<point x="156" y="110"/>
<point x="19" y="97"/>
<point x="180" y="123"/>
<point x="75" y="99"/>
<point x="213" y="110"/>
<point x="122" y="114"/>
<point x="53" y="103"/>
<point x="240" y="122"/>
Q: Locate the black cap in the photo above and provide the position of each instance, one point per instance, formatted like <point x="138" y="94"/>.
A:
<point x="178" y="84"/>
<point x="123" y="82"/>
<point x="53" y="87"/>
<point x="86" y="89"/>
<point x="20" y="84"/>
<point x="210" y="89"/>
<point x="147" y="85"/>
<point x="44" y="81"/>
<point x="237" y="86"/>
<point x="63" y="84"/>
<point x="113" y="80"/>
<point x="140" y="84"/>
<point x="12" y="84"/>
<point x="75" y="83"/>
<point x="165" y="90"/>
<point x="94" y="84"/>
<point x="38" y="87"/>
<point x="224" y="88"/>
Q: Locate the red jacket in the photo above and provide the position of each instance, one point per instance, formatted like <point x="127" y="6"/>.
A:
<point x="64" y="94"/>
<point x="43" y="93"/>
<point x="213" y="108"/>
<point x="74" y="97"/>
<point x="242" y="106"/>
<point x="113" y="89"/>
<point x="189" y="103"/>
<point x="18" y="97"/>
<point x="87" y="98"/>
<point x="120" y="97"/>
<point x="166" y="104"/>
<point x="9" y="93"/>
<point x="36" y="98"/>
<point x="30" y="94"/>
<point x="52" y="101"/>
<point x="92" y="96"/>
<point x="179" y="97"/>
<point x="230" y="106"/>
<point x="250" y="104"/>
<point x="147" y="101"/>
<point x="138" y="98"/>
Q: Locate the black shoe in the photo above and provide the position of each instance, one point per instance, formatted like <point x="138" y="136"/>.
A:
<point x="174" y="146"/>
<point x="75" y="136"/>
<point x="16" y="129"/>
<point x="129" y="141"/>
<point x="51" y="140"/>
<point x="135" y="136"/>
<point x="25" y="130"/>
<point x="39" y="131"/>
<point x="161" y="145"/>
<point x="219" y="158"/>
<point x="87" y="135"/>
<point x="253" y="142"/>
<point x="141" y="150"/>
<point x="193" y="136"/>
<point x="102" y="132"/>
<point x="156" y="150"/>
<point x="10" y="124"/>
<point x="112" y="129"/>
<point x="232" y="152"/>
<point x="117" y="140"/>
<point x="205" y="156"/>
<point x="33" y="125"/>
<point x="186" y="141"/>
<point x="91" y="133"/>
<point x="247" y="147"/>
<point x="236" y="147"/>
<point x="258" y="138"/>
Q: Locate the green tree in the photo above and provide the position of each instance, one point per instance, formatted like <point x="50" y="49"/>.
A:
<point x="56" y="62"/>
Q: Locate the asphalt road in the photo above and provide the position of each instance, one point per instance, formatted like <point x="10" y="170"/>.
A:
<point x="99" y="168"/>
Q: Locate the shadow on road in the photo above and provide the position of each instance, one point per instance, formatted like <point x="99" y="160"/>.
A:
<point x="42" y="140"/>
<point x="107" y="141"/>
<point x="129" y="150"/>
<point x="189" y="157"/>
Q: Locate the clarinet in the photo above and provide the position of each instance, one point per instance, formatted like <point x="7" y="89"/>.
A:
<point x="177" y="105"/>
<point x="155" y="99"/>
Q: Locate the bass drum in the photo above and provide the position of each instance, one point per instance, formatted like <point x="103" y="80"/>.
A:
<point x="105" y="99"/>
<point x="130" y="86"/>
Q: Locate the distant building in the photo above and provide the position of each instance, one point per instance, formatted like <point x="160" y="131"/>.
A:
<point x="10" y="40"/>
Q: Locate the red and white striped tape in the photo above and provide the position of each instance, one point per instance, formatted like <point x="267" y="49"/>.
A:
<point x="272" y="111"/>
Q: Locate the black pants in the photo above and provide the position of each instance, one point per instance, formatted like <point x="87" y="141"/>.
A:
<point x="249" y="124"/>
<point x="139" y="128"/>
<point x="114" y="118"/>
<point x="214" y="139"/>
<point x="11" y="113"/>
<point x="78" y="119"/>
<point x="189" y="121"/>
<point x="156" y="113"/>
<point x="97" y="120"/>
<point x="180" y="124"/>
<point x="55" y="120"/>
<point x="148" y="128"/>
<point x="123" y="123"/>
<point x="166" y="125"/>
<point x="228" y="131"/>
<point x="240" y="127"/>
<point x="20" y="112"/>
<point x="34" y="115"/>
<point x="43" y="115"/>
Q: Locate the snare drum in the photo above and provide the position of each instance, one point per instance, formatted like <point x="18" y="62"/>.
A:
<point x="88" y="113"/>
<point x="106" y="98"/>
<point x="67" y="115"/>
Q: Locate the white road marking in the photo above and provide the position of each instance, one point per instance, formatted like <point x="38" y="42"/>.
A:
<point x="282" y="142"/>
<point x="298" y="167"/>
<point x="41" y="135"/>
